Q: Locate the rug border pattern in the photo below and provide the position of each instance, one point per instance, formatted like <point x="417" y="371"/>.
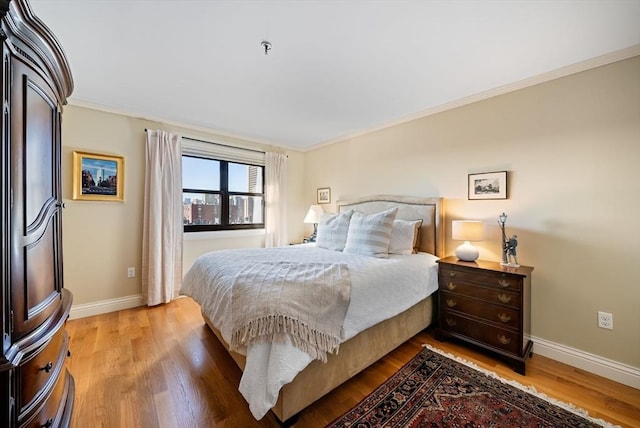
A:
<point x="399" y="414"/>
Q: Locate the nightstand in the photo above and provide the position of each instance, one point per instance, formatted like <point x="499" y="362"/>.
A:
<point x="488" y="305"/>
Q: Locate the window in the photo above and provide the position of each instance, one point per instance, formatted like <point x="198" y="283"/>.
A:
<point x="221" y="195"/>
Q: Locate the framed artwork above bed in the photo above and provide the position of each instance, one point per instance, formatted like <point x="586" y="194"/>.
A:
<point x="488" y="185"/>
<point x="324" y="195"/>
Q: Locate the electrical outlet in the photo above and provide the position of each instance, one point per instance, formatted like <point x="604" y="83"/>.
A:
<point x="605" y="320"/>
<point x="131" y="272"/>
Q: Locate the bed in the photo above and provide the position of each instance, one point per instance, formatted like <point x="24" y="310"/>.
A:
<point x="299" y="379"/>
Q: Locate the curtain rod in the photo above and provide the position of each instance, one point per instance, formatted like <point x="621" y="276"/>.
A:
<point x="219" y="144"/>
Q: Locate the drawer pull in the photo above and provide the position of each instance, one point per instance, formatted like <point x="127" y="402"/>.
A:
<point x="451" y="286"/>
<point x="48" y="424"/>
<point x="504" y="298"/>
<point x="451" y="322"/>
<point x="503" y="283"/>
<point x="452" y="274"/>
<point x="47" y="368"/>
<point x="451" y="303"/>
<point x="504" y="317"/>
<point x="504" y="339"/>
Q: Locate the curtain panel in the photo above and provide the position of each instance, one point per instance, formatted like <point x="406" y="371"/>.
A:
<point x="163" y="218"/>
<point x="275" y="200"/>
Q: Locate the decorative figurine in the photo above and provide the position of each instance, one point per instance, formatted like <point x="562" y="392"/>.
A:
<point x="509" y="257"/>
<point x="502" y="219"/>
<point x="513" y="258"/>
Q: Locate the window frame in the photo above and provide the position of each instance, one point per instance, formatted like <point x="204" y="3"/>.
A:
<point x="225" y="195"/>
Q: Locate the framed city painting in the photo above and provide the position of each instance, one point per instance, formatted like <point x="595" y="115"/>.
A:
<point x="324" y="195"/>
<point x="98" y="177"/>
<point x="488" y="185"/>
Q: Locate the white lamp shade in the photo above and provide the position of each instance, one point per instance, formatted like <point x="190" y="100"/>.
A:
<point x="467" y="230"/>
<point x="313" y="215"/>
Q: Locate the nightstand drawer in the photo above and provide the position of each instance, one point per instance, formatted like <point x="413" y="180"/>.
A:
<point x="502" y="339"/>
<point x="501" y="315"/>
<point x="498" y="280"/>
<point x="491" y="295"/>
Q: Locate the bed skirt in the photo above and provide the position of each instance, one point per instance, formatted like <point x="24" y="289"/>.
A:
<point x="356" y="354"/>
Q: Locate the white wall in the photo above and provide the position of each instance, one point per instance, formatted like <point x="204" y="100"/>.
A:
<point x="102" y="239"/>
<point x="572" y="149"/>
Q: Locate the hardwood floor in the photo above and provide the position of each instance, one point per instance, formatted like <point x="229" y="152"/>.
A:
<point x="162" y="367"/>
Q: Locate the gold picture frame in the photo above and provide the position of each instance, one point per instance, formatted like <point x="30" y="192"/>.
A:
<point x="98" y="177"/>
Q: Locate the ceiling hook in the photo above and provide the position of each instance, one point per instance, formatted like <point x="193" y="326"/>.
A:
<point x="267" y="46"/>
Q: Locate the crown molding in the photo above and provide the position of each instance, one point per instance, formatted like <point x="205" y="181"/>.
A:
<point x="579" y="67"/>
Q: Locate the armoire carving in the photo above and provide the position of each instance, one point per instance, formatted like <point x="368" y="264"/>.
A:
<point x="36" y="390"/>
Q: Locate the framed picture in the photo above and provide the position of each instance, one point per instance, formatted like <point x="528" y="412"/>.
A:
<point x="488" y="185"/>
<point x="98" y="177"/>
<point x="324" y="195"/>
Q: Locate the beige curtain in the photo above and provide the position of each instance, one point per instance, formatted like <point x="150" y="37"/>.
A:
<point x="162" y="223"/>
<point x="275" y="200"/>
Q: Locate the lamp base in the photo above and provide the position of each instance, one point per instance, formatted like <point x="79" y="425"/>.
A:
<point x="467" y="252"/>
<point x="312" y="238"/>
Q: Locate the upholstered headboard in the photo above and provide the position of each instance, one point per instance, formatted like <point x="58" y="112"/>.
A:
<point x="430" y="210"/>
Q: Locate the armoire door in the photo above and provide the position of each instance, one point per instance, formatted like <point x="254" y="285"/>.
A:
<point x="5" y="226"/>
<point x="36" y="272"/>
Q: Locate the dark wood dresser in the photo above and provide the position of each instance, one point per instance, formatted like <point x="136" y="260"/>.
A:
<point x="488" y="305"/>
<point x="36" y="390"/>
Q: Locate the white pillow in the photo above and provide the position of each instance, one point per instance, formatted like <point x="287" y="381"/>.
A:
<point x="370" y="235"/>
<point x="404" y="236"/>
<point x="332" y="230"/>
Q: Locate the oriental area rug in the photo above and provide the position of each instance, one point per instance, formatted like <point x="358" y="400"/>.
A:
<point x="436" y="389"/>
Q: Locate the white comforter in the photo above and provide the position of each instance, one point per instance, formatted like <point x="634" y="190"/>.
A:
<point x="380" y="289"/>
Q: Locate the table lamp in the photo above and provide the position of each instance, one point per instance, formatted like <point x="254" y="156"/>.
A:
<point x="467" y="230"/>
<point x="313" y="216"/>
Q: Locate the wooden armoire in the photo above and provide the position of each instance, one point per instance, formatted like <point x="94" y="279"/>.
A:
<point x="36" y="390"/>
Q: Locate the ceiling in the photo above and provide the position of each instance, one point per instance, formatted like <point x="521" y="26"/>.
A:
<point x="336" y="68"/>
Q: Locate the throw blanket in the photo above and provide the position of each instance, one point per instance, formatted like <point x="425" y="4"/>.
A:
<point x="301" y="303"/>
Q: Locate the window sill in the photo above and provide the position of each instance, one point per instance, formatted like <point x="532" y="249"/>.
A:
<point x="217" y="234"/>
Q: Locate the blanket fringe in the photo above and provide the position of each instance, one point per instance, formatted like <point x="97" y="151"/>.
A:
<point x="281" y="328"/>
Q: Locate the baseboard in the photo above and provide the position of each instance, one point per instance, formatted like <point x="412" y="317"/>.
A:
<point x="105" y="306"/>
<point x="592" y="363"/>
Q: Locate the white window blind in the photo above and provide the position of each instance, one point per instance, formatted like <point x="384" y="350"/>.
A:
<point x="224" y="152"/>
